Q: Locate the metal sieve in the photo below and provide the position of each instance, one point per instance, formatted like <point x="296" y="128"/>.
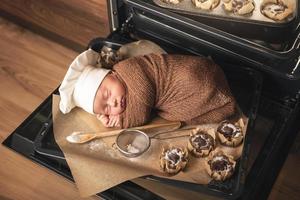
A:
<point x="133" y="143"/>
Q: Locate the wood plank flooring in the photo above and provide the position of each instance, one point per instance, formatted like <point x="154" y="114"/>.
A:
<point x="76" y="21"/>
<point x="31" y="67"/>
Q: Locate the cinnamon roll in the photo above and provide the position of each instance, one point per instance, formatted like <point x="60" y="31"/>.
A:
<point x="201" y="143"/>
<point x="173" y="160"/>
<point x="277" y="9"/>
<point x="206" y="4"/>
<point x="230" y="134"/>
<point x="240" y="7"/>
<point x="219" y="166"/>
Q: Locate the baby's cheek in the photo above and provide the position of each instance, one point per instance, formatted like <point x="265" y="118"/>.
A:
<point x="114" y="111"/>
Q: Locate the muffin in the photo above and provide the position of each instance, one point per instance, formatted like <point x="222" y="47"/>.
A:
<point x="219" y="166"/>
<point x="173" y="160"/>
<point x="277" y="9"/>
<point x="230" y="134"/>
<point x="240" y="7"/>
<point x="206" y="4"/>
<point x="201" y="142"/>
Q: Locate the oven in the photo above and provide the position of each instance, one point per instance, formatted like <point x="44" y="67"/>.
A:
<point x="263" y="73"/>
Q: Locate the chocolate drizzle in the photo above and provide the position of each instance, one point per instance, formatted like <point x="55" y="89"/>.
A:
<point x="220" y="163"/>
<point x="229" y="130"/>
<point x="237" y="4"/>
<point x="202" y="141"/>
<point x="275" y="8"/>
<point x="174" y="156"/>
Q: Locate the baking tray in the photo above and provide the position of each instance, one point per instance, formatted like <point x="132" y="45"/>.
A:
<point x="219" y="11"/>
<point x="246" y="85"/>
<point x="251" y="26"/>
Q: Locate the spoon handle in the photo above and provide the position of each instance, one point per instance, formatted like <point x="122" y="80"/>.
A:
<point x="116" y="132"/>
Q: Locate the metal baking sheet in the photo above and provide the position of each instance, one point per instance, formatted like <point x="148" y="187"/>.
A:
<point x="256" y="16"/>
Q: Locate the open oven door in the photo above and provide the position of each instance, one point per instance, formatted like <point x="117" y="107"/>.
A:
<point x="252" y="69"/>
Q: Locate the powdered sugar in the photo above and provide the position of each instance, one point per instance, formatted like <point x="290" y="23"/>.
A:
<point x="132" y="149"/>
<point x="101" y="146"/>
<point x="96" y="145"/>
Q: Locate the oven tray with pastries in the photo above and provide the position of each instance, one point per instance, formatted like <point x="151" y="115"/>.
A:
<point x="268" y="20"/>
<point x="245" y="84"/>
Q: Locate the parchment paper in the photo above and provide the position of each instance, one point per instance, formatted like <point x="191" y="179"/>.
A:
<point x="97" y="166"/>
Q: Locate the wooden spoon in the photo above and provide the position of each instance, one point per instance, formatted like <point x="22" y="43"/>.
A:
<point x="79" y="137"/>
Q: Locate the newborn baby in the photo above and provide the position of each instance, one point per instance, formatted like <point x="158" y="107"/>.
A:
<point x="99" y="91"/>
<point x="94" y="89"/>
<point x="175" y="87"/>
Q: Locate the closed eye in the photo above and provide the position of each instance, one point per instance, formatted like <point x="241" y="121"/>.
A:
<point x="105" y="95"/>
<point x="107" y="109"/>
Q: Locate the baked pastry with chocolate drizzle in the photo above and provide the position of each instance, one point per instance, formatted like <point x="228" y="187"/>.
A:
<point x="201" y="142"/>
<point x="173" y="160"/>
<point x="277" y="9"/>
<point x="172" y="1"/>
<point x="206" y="4"/>
<point x="230" y="134"/>
<point x="219" y="166"/>
<point x="240" y="7"/>
<point x="108" y="57"/>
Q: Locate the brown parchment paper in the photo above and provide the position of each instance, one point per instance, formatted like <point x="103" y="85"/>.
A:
<point x="97" y="165"/>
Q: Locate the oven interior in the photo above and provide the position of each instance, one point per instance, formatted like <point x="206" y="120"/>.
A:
<point x="273" y="110"/>
<point x="144" y="17"/>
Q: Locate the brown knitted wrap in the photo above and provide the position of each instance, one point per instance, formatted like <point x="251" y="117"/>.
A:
<point x="178" y="87"/>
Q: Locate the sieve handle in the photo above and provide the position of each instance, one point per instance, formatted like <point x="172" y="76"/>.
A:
<point x="173" y="130"/>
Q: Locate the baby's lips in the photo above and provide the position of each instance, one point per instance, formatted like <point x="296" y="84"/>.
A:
<point x="123" y="102"/>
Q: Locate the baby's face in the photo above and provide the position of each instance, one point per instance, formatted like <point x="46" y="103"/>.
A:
<point x="110" y="98"/>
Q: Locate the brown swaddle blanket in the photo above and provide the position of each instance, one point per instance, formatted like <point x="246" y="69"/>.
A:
<point x="177" y="87"/>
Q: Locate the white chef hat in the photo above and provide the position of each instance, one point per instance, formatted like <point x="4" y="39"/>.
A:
<point x="81" y="83"/>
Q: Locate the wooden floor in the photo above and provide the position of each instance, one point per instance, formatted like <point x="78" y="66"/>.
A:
<point x="76" y="21"/>
<point x="31" y="67"/>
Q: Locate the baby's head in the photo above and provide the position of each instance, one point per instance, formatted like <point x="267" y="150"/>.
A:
<point x="110" y="97"/>
<point x="100" y="91"/>
<point x="96" y="90"/>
